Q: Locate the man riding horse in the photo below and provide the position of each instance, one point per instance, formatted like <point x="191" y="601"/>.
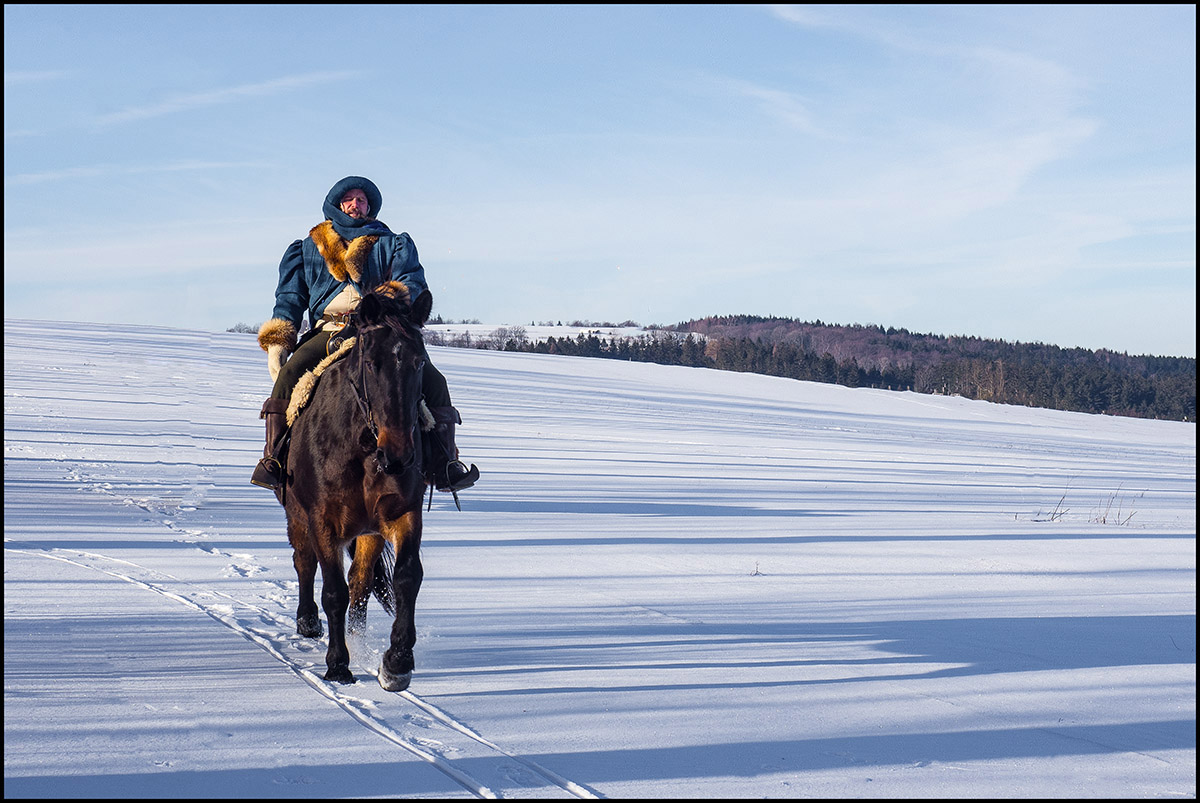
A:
<point x="326" y="274"/>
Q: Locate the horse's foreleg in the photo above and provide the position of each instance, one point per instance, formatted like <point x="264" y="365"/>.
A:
<point x="367" y="548"/>
<point x="395" y="671"/>
<point x="335" y="598"/>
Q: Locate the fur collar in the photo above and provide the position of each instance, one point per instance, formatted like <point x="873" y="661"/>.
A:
<point x="344" y="261"/>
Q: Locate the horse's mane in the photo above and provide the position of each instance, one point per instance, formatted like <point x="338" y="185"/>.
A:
<point x="388" y="307"/>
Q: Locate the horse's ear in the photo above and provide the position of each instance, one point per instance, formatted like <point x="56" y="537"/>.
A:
<point x="370" y="309"/>
<point x="421" y="308"/>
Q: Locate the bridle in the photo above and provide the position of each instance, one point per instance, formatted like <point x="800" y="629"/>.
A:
<point x="364" y="402"/>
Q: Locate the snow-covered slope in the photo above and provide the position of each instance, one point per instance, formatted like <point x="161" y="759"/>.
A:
<point x="670" y="582"/>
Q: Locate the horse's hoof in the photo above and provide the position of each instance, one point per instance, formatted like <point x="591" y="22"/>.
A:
<point x="309" y="627"/>
<point x="340" y="674"/>
<point x="391" y="682"/>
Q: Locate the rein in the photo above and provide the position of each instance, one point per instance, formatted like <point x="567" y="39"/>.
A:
<point x="360" y="393"/>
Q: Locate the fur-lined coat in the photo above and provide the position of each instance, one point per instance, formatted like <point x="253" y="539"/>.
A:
<point x="315" y="270"/>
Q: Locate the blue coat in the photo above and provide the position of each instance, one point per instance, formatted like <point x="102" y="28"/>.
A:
<point x="315" y="270"/>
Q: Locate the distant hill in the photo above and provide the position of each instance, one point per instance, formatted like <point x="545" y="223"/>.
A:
<point x="1029" y="374"/>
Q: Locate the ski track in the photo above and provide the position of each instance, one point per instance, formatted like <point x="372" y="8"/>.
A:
<point x="451" y="735"/>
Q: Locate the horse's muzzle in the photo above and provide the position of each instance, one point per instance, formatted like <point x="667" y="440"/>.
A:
<point x="395" y="455"/>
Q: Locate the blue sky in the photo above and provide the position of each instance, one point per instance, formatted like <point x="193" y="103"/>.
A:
<point x="1016" y="172"/>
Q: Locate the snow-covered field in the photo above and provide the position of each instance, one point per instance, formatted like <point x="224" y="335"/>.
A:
<point x="670" y="582"/>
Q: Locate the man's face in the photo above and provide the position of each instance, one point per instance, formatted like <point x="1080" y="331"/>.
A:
<point x="354" y="204"/>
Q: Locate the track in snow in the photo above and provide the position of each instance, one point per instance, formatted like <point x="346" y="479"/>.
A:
<point x="507" y="774"/>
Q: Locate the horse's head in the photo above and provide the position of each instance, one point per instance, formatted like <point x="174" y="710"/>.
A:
<point x="387" y="366"/>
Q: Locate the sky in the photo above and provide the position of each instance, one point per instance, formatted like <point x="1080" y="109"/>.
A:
<point x="667" y="585"/>
<point x="1024" y="173"/>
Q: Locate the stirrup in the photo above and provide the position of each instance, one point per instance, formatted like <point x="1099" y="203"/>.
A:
<point x="268" y="474"/>
<point x="466" y="476"/>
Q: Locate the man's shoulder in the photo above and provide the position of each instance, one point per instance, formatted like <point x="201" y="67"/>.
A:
<point x="396" y="239"/>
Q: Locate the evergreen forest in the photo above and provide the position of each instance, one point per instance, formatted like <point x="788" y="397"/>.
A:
<point x="1030" y="374"/>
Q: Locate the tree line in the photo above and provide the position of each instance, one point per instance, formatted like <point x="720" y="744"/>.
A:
<point x="1029" y="374"/>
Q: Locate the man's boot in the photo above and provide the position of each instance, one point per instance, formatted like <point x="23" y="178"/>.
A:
<point x="449" y="473"/>
<point x="269" y="471"/>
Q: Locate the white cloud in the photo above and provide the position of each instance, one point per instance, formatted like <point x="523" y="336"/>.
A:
<point x="96" y="171"/>
<point x="183" y="103"/>
<point x="857" y="21"/>
<point x="18" y="77"/>
<point x="785" y="106"/>
<point x="135" y="253"/>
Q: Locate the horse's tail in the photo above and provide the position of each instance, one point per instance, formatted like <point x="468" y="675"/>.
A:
<point x="381" y="586"/>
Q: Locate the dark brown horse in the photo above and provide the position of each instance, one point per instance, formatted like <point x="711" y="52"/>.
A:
<point x="355" y="485"/>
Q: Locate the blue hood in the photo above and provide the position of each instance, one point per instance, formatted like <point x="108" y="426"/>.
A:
<point x="349" y="228"/>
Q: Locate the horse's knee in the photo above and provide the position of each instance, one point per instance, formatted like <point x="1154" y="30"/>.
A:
<point x="304" y="563"/>
<point x="335" y="596"/>
<point x="409" y="570"/>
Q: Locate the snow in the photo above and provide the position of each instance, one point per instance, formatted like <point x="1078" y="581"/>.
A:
<point x="670" y="582"/>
